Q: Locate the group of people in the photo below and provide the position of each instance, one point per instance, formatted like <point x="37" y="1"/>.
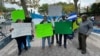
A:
<point x="84" y="29"/>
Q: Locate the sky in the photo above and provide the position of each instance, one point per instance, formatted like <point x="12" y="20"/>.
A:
<point x="84" y="3"/>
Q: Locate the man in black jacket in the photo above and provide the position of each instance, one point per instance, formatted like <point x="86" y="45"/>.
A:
<point x="29" y="20"/>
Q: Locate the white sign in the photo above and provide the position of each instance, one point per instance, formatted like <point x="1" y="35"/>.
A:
<point x="54" y="10"/>
<point x="21" y="29"/>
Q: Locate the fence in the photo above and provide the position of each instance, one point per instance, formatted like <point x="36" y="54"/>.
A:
<point x="5" y="36"/>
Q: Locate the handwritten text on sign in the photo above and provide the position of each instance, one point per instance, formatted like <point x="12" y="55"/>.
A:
<point x="21" y="29"/>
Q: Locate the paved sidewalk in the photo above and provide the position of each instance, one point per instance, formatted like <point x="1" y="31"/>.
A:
<point x="93" y="44"/>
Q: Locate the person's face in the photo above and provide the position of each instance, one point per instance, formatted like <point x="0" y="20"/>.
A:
<point x="84" y="18"/>
<point x="63" y="17"/>
<point x="45" y="18"/>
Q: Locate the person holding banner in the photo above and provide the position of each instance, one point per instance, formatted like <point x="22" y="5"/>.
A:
<point x="20" y="40"/>
<point x="53" y="24"/>
<point x="65" y="35"/>
<point x="47" y="37"/>
<point x="85" y="28"/>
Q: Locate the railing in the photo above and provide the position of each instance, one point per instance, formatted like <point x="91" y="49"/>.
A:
<point x="5" y="36"/>
<point x="4" y="30"/>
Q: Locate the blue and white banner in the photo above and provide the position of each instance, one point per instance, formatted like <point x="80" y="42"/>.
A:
<point x="36" y="18"/>
<point x="72" y="16"/>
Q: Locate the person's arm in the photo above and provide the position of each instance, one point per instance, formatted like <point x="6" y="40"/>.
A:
<point x="32" y="26"/>
<point x="90" y="28"/>
<point x="42" y="22"/>
<point x="58" y="19"/>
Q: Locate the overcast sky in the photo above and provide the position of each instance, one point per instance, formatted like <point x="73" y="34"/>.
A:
<point x="84" y="3"/>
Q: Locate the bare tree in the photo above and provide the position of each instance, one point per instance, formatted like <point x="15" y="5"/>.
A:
<point x="76" y="7"/>
<point x="23" y="3"/>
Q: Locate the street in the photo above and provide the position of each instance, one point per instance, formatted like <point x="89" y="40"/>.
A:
<point x="93" y="48"/>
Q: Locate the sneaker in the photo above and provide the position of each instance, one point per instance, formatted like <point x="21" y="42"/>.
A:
<point x="79" y="48"/>
<point x="83" y="52"/>
<point x="50" y="46"/>
<point x="60" y="45"/>
<point x="65" y="47"/>
<point x="43" y="48"/>
<point x="19" y="53"/>
<point x="26" y="48"/>
<point x="51" y="43"/>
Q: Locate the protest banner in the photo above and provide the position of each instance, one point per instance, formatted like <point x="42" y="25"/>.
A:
<point x="54" y="10"/>
<point x="17" y="14"/>
<point x="63" y="27"/>
<point x="44" y="30"/>
<point x="21" y="29"/>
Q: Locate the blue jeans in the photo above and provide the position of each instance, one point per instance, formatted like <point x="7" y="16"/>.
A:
<point x="43" y="41"/>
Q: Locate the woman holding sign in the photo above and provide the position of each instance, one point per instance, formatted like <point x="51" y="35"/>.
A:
<point x="20" y="40"/>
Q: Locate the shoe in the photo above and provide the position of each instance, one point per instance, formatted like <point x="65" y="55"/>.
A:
<point x="19" y="53"/>
<point x="57" y="42"/>
<point x="83" y="52"/>
<point x="51" y="44"/>
<point x="79" y="48"/>
<point x="26" y="48"/>
<point x="60" y="45"/>
<point x="65" y="47"/>
<point x="43" y="48"/>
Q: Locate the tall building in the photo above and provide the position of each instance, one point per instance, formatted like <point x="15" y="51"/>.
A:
<point x="97" y="1"/>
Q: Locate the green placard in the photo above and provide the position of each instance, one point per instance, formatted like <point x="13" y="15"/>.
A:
<point x="17" y="14"/>
<point x="63" y="27"/>
<point x="44" y="30"/>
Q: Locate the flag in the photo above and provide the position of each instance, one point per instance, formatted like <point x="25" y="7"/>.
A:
<point x="36" y="16"/>
<point x="72" y="16"/>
